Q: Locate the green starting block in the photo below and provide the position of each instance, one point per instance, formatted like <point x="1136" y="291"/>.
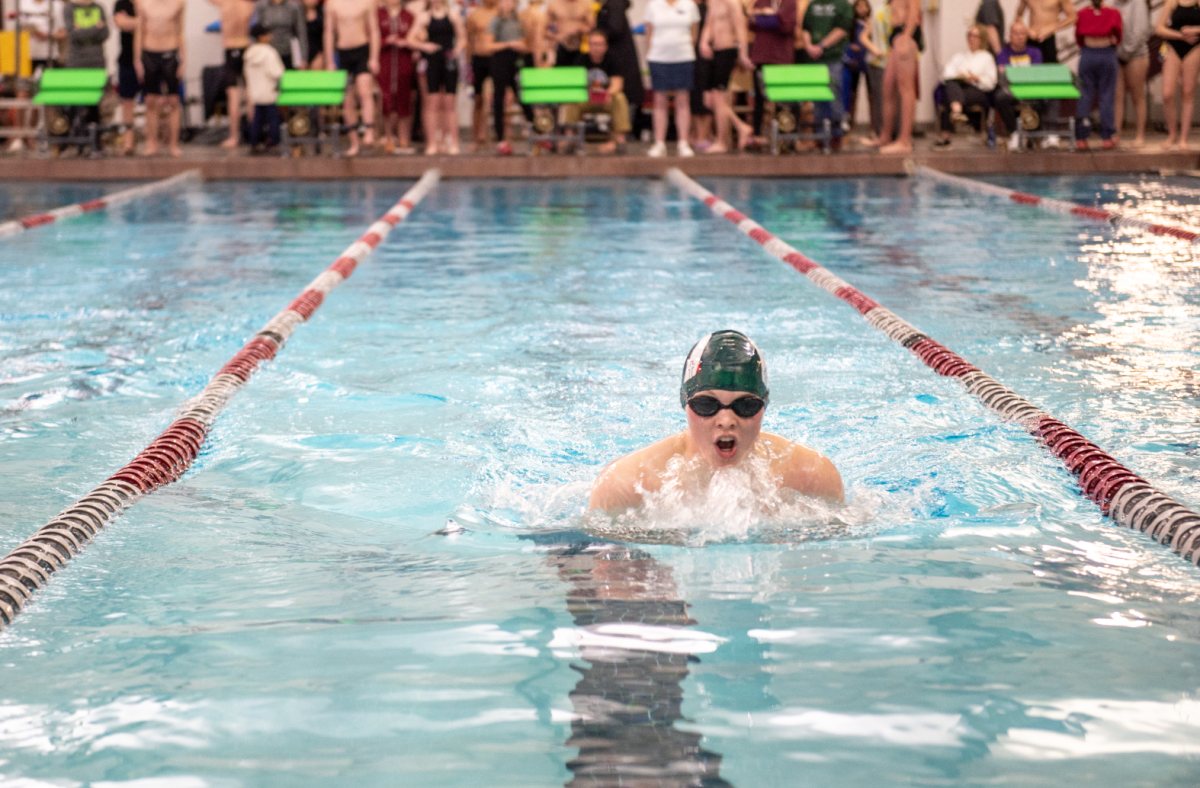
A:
<point x="793" y="85"/>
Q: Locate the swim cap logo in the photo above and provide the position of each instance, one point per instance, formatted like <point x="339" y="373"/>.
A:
<point x="691" y="367"/>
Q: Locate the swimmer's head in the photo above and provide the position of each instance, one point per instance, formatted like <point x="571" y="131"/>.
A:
<point x="724" y="361"/>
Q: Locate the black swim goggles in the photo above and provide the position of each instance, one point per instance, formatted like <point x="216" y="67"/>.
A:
<point x="744" y="407"/>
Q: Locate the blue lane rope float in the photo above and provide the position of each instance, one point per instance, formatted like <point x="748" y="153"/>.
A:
<point x="1120" y="493"/>
<point x="29" y="566"/>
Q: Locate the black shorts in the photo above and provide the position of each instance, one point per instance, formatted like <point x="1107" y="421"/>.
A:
<point x="569" y="57"/>
<point x="701" y="76"/>
<point x="481" y="69"/>
<point x="355" y="61"/>
<point x="918" y="37"/>
<point x="161" y="73"/>
<point x="231" y="75"/>
<point x="441" y="73"/>
<point x="128" y="86"/>
<point x="723" y="63"/>
<point x="1048" y="48"/>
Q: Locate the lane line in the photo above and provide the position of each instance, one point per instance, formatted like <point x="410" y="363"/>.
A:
<point x="1119" y="492"/>
<point x="17" y="226"/>
<point x="1057" y="206"/>
<point x="30" y="565"/>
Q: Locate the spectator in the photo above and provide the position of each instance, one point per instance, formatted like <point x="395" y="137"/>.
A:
<point x="568" y="21"/>
<point x="1015" y="54"/>
<point x="854" y="61"/>
<point x="827" y="27"/>
<point x="1133" y="54"/>
<point x="263" y="69"/>
<point x="613" y="20"/>
<point x="874" y="39"/>
<point x="968" y="79"/>
<point x="352" y="30"/>
<point x="439" y="34"/>
<point x="773" y="23"/>
<point x="606" y="91"/>
<point x="1046" y="18"/>
<point x="314" y="28"/>
<point x="476" y="24"/>
<point x="991" y="17"/>
<point x="235" y="37"/>
<point x="1179" y="26"/>
<point x="158" y="44"/>
<point x="1097" y="31"/>
<point x="537" y="37"/>
<point x="723" y="40"/>
<point x="504" y="41"/>
<point x="39" y="18"/>
<point x="285" y="20"/>
<point x="86" y="29"/>
<point x="702" y="115"/>
<point x="905" y="43"/>
<point x="128" y="85"/>
<point x="672" y="27"/>
<point x="395" y="76"/>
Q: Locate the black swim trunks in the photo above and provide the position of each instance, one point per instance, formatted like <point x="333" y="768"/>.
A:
<point x="161" y="73"/>
<point x="569" y="57"/>
<point x="723" y="63"/>
<point x="441" y="73"/>
<point x="481" y="69"/>
<point x="231" y="75"/>
<point x="918" y="37"/>
<point x="1048" y="47"/>
<point x="355" y="61"/>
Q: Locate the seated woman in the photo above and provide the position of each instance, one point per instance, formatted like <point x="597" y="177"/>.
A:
<point x="968" y="79"/>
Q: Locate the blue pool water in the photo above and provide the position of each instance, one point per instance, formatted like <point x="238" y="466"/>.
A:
<point x="286" y="616"/>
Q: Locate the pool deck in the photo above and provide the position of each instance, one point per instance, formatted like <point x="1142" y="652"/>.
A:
<point x="965" y="158"/>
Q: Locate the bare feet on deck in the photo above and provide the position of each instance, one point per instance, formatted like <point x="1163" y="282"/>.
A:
<point x="230" y="142"/>
<point x="896" y="147"/>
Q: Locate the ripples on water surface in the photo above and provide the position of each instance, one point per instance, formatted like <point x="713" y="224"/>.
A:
<point x="283" y="616"/>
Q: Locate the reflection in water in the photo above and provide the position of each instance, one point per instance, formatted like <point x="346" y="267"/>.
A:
<point x="629" y="620"/>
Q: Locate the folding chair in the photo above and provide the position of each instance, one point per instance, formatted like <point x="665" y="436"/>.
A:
<point x="67" y="88"/>
<point x="794" y="85"/>
<point x="307" y="93"/>
<point x="545" y="89"/>
<point x="1049" y="82"/>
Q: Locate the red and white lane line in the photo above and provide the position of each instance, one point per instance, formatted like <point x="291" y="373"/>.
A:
<point x="1121" y="494"/>
<point x="18" y="226"/>
<point x="1057" y="206"/>
<point x="29" y="566"/>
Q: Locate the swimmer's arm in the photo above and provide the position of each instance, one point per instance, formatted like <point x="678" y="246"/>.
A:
<point x="809" y="472"/>
<point x="618" y="487"/>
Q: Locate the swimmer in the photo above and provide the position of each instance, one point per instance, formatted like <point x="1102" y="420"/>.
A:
<point x="724" y="394"/>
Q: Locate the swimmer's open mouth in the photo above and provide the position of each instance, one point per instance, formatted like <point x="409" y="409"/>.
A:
<point x="727" y="446"/>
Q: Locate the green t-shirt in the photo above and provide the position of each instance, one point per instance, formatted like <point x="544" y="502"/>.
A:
<point x="825" y="15"/>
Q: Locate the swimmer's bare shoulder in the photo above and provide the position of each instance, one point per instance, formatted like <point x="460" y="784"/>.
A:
<point x="802" y="469"/>
<point x="618" y="486"/>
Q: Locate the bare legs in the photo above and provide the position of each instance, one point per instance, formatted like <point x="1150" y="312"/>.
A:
<point x="1179" y="121"/>
<point x="233" y="100"/>
<point x="683" y="115"/>
<point x="723" y="111"/>
<point x="479" y="120"/>
<point x="1133" y="79"/>
<point x="154" y="105"/>
<point x="366" y="99"/>
<point x="899" y="82"/>
<point x="127" y="119"/>
<point x="440" y="119"/>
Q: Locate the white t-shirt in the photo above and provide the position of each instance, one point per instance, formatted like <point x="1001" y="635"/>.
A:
<point x="35" y="15"/>
<point x="672" y="38"/>
<point x="980" y="63"/>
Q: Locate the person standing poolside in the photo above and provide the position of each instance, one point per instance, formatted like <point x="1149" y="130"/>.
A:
<point x="504" y="41"/>
<point x="476" y="24"/>
<point x="235" y="37"/>
<point x="724" y="393"/>
<point x="264" y="68"/>
<point x="395" y="77"/>
<point x="1098" y="31"/>
<point x="1179" y="26"/>
<point x="285" y="20"/>
<point x="439" y="33"/>
<point x="569" y="21"/>
<point x="905" y="43"/>
<point x="672" y="27"/>
<point x="991" y="17"/>
<point x="773" y="23"/>
<point x="158" y="45"/>
<point x="128" y="85"/>
<point x="1046" y="18"/>
<point x="874" y="39"/>
<point x="1133" y="53"/>
<point x="613" y="19"/>
<point x="723" y="40"/>
<point x="533" y="22"/>
<point x="826" y="28"/>
<point x="314" y="31"/>
<point x="352" y="30"/>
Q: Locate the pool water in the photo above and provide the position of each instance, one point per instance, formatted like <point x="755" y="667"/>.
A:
<point x="379" y="572"/>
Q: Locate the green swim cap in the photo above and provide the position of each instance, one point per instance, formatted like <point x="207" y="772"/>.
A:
<point x="726" y="360"/>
